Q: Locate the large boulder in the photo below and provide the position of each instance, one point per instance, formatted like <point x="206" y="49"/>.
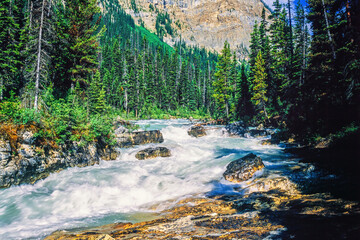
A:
<point x="236" y="128"/>
<point x="128" y="139"/>
<point x="243" y="169"/>
<point x="153" y="153"/>
<point x="197" y="131"/>
<point x="257" y="132"/>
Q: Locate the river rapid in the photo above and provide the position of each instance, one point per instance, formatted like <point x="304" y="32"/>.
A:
<point x="125" y="189"/>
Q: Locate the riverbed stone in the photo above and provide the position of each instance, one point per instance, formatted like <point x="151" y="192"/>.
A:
<point x="153" y="153"/>
<point x="197" y="131"/>
<point x="243" y="169"/>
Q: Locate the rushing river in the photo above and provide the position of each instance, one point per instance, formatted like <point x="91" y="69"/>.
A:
<point x="123" y="190"/>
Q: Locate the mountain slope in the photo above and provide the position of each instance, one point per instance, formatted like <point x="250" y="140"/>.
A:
<point x="204" y="23"/>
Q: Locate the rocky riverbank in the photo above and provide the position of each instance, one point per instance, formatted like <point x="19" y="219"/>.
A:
<point x="24" y="158"/>
<point x="270" y="209"/>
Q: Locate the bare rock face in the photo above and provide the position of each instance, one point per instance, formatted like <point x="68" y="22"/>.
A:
<point x="197" y="131"/>
<point x="243" y="168"/>
<point x="153" y="153"/>
<point x="203" y="23"/>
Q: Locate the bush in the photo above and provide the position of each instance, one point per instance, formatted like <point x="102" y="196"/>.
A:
<point x="10" y="108"/>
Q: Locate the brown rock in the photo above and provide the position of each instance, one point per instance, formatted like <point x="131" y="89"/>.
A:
<point x="243" y="168"/>
<point x="127" y="140"/>
<point x="197" y="131"/>
<point x="153" y="153"/>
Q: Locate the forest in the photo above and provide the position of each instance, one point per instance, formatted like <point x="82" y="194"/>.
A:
<point x="71" y="67"/>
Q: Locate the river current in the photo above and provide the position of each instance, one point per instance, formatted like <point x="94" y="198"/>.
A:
<point x="124" y="189"/>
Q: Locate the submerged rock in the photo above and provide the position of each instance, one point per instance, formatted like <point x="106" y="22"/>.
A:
<point x="243" y="169"/>
<point x="153" y="153"/>
<point x="197" y="131"/>
<point x="128" y="139"/>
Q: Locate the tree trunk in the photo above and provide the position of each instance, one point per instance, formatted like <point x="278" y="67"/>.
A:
<point x="126" y="101"/>
<point x="227" y="110"/>
<point x="204" y="90"/>
<point x="265" y="112"/>
<point x="291" y="33"/>
<point x="328" y="31"/>
<point x="37" y="78"/>
<point x="1" y="88"/>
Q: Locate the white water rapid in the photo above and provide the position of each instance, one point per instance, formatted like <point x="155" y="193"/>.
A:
<point x="123" y="190"/>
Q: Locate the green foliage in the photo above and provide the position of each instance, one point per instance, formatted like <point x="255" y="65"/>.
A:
<point x="134" y="6"/>
<point x="10" y="108"/>
<point x="222" y="88"/>
<point x="259" y="85"/>
<point x="163" y="25"/>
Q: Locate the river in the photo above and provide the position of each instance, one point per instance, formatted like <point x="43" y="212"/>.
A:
<point x="124" y="189"/>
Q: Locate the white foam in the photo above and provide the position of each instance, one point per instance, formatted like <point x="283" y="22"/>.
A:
<point x="75" y="196"/>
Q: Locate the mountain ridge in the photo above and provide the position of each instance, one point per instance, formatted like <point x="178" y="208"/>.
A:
<point x="200" y="23"/>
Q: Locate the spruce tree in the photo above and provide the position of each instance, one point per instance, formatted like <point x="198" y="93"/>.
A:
<point x="9" y="48"/>
<point x="82" y="37"/>
<point x="244" y="107"/>
<point x="222" y="88"/>
<point x="259" y="86"/>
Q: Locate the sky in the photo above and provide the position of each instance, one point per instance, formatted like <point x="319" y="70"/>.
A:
<point x="270" y="2"/>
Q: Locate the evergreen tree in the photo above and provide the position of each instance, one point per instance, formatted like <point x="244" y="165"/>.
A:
<point x="259" y="86"/>
<point x="82" y="37"/>
<point x="96" y="93"/>
<point x="9" y="47"/>
<point x="222" y="88"/>
<point x="244" y="107"/>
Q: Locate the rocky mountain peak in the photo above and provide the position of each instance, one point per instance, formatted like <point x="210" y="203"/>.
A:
<point x="204" y="23"/>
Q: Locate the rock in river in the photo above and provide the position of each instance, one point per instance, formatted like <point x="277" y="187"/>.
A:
<point x="243" y="169"/>
<point x="197" y="131"/>
<point x="127" y="140"/>
<point x="236" y="128"/>
<point x="153" y="153"/>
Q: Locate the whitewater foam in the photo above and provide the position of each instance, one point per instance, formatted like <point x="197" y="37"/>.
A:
<point x="112" y="191"/>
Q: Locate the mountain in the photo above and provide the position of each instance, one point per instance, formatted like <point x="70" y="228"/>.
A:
<point x="199" y="22"/>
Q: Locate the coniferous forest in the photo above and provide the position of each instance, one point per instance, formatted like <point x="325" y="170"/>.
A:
<point x="72" y="66"/>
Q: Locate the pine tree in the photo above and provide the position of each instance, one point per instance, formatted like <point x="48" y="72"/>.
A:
<point x="244" y="107"/>
<point x="83" y="34"/>
<point x="96" y="92"/>
<point x="259" y="86"/>
<point x="254" y="44"/>
<point x="279" y="73"/>
<point x="222" y="88"/>
<point x="9" y="48"/>
<point x="301" y="44"/>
